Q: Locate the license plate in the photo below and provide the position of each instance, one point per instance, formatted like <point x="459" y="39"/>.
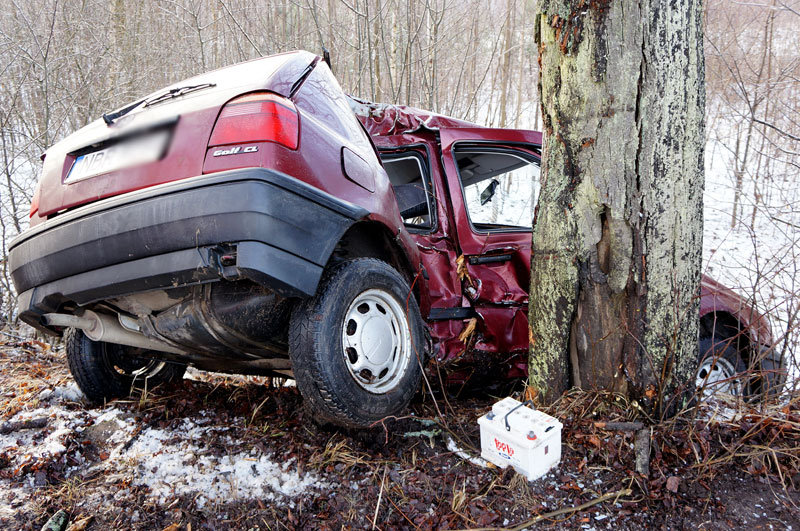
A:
<point x="133" y="152"/>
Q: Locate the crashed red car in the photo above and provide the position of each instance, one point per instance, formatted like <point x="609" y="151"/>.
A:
<point x="242" y="221"/>
<point x="475" y="243"/>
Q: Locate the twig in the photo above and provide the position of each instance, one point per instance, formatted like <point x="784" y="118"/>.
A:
<point x="401" y="512"/>
<point x="12" y="336"/>
<point x="565" y="510"/>
<point x="30" y="424"/>
<point x="619" y="426"/>
<point x="380" y="496"/>
<point x="569" y="510"/>
<point x="781" y="131"/>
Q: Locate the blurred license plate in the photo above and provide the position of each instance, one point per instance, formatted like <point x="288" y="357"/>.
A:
<point x="133" y="152"/>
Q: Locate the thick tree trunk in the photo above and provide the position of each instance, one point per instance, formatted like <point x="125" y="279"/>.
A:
<point x="617" y="241"/>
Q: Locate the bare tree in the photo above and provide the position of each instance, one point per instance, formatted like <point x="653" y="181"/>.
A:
<point x="618" y="231"/>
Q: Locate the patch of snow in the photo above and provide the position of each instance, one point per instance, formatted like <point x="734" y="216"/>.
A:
<point x="10" y="499"/>
<point x="70" y="393"/>
<point x="33" y="446"/>
<point x="45" y="395"/>
<point x="453" y="447"/>
<point x="171" y="464"/>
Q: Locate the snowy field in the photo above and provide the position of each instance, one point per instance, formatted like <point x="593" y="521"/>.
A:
<point x="758" y="258"/>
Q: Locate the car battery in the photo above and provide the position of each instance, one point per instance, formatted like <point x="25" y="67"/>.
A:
<point x="527" y="439"/>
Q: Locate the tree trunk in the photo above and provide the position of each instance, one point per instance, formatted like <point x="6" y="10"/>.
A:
<point x="617" y="239"/>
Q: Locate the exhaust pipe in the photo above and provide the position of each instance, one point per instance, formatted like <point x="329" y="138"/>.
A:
<point x="102" y="327"/>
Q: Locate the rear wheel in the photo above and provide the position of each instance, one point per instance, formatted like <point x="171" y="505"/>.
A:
<point x="105" y="371"/>
<point x="357" y="347"/>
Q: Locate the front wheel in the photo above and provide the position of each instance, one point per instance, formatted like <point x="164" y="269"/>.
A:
<point x="104" y="371"/>
<point x="357" y="347"/>
<point x="720" y="367"/>
<point x="723" y="369"/>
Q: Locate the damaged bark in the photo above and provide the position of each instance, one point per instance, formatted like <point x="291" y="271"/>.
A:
<point x="617" y="236"/>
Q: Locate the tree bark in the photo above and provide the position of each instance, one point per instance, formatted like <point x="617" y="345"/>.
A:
<point x="617" y="238"/>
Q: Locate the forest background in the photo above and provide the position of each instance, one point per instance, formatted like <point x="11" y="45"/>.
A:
<point x="65" y="62"/>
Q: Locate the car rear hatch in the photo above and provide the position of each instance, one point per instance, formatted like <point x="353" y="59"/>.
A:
<point x="162" y="139"/>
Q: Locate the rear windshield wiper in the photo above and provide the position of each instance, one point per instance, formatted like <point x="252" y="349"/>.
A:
<point x="176" y="92"/>
<point x="109" y="118"/>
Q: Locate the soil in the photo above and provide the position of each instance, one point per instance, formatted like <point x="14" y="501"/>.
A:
<point x="708" y="474"/>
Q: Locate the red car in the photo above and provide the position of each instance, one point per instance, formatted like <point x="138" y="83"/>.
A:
<point x="242" y="221"/>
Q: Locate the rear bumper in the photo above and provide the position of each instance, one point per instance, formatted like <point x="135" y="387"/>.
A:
<point x="251" y="223"/>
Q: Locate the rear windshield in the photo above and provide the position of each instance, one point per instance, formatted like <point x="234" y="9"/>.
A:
<point x="236" y="75"/>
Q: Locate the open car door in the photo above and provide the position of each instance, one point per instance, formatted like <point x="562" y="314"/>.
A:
<point x="493" y="182"/>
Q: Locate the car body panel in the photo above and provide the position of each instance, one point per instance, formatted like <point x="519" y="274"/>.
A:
<point x="331" y="143"/>
<point x="192" y="116"/>
<point x="489" y="297"/>
<point x="277" y="215"/>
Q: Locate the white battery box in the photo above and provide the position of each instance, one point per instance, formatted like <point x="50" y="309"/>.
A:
<point x="527" y="439"/>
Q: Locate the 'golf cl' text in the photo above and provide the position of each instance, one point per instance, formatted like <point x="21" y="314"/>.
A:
<point x="234" y="151"/>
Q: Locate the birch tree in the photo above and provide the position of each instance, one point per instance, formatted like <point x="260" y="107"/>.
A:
<point x="617" y="241"/>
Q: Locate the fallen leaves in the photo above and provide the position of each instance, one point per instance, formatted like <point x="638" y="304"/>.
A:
<point x="469" y="329"/>
<point x="80" y="523"/>
<point x="672" y="483"/>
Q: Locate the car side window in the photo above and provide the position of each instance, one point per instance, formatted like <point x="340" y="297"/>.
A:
<point x="500" y="187"/>
<point x="409" y="177"/>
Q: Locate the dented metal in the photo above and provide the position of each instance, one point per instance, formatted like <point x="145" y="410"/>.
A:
<point x="481" y="278"/>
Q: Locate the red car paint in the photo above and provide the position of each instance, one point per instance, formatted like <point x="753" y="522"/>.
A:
<point x="334" y="154"/>
<point x="196" y="114"/>
<point x="501" y="300"/>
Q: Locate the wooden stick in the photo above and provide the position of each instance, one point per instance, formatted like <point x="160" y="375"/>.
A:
<point x="641" y="445"/>
<point x="565" y="510"/>
<point x="380" y="496"/>
<point x="30" y="424"/>
<point x="568" y="510"/>
<point x="619" y="426"/>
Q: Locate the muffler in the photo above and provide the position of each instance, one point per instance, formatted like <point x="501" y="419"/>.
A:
<point x="102" y="327"/>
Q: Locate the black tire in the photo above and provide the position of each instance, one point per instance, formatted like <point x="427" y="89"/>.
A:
<point x="772" y="377"/>
<point x="718" y="364"/>
<point x="327" y="374"/>
<point x="724" y="354"/>
<point x="105" y="371"/>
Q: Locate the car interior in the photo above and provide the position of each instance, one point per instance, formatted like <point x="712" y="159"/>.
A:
<point x="406" y="176"/>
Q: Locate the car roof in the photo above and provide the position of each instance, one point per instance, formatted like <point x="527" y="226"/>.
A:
<point x="386" y="119"/>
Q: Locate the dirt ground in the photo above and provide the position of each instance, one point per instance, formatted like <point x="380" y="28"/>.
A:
<point x="218" y="452"/>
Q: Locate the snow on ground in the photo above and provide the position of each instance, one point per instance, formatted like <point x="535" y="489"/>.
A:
<point x="463" y="454"/>
<point x="61" y="422"/>
<point x="171" y="461"/>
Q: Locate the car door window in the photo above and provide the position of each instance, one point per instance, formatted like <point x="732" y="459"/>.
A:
<point x="500" y="187"/>
<point x="409" y="178"/>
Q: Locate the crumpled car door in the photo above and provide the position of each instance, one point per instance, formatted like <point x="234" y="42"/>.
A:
<point x="492" y="177"/>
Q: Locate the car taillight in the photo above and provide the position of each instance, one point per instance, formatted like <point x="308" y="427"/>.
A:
<point x="35" y="200"/>
<point x="257" y="117"/>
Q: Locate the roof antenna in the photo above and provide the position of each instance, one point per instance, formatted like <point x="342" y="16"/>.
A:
<point x="326" y="56"/>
